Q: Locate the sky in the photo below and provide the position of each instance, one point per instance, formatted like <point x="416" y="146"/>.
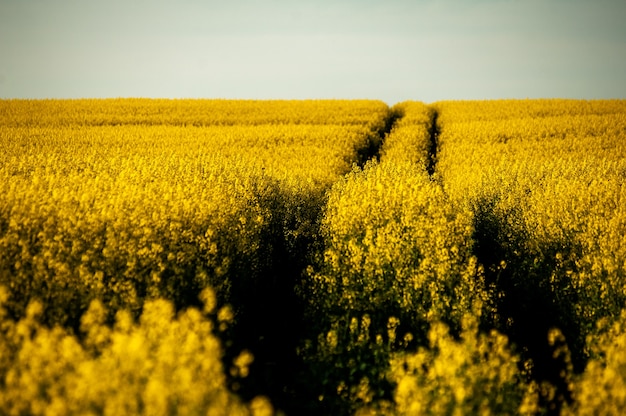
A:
<point x="392" y="50"/>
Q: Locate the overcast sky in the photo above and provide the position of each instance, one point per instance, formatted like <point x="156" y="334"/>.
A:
<point x="392" y="50"/>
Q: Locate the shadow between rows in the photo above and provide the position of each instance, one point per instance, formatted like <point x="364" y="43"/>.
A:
<point x="272" y="320"/>
<point x="531" y="295"/>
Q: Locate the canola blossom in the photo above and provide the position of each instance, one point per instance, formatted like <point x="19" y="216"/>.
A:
<point x="544" y="180"/>
<point x="128" y="201"/>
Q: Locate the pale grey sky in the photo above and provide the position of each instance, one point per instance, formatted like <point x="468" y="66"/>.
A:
<point x="392" y="50"/>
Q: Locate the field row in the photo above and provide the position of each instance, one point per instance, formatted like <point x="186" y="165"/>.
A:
<point x="124" y="215"/>
<point x="546" y="189"/>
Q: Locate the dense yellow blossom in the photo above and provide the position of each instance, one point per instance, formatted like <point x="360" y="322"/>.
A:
<point x="129" y="201"/>
<point x="477" y="374"/>
<point x="189" y="112"/>
<point x="164" y="364"/>
<point x="152" y="255"/>
<point x="410" y="141"/>
<point x="601" y="388"/>
<point x="554" y="170"/>
<point x="545" y="182"/>
<point x="398" y="256"/>
<point x="150" y="208"/>
<point x="394" y="244"/>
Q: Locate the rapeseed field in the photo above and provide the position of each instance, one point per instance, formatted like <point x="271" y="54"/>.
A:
<point x="312" y="257"/>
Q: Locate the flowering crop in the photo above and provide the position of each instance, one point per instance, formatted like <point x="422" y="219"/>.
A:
<point x="545" y="182"/>
<point x="163" y="364"/>
<point x="397" y="259"/>
<point x="139" y="111"/>
<point x="128" y="201"/>
<point x="134" y="211"/>
<point x="332" y="256"/>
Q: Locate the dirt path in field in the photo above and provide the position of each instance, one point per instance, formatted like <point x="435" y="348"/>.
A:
<point x="372" y="150"/>
<point x="433" y="132"/>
